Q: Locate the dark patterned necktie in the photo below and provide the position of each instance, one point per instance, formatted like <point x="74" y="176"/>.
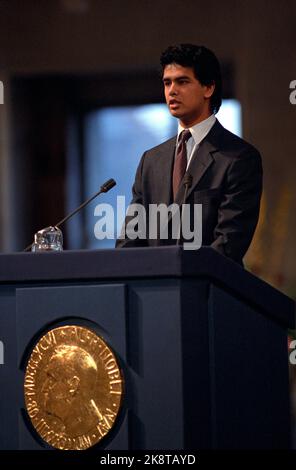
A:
<point x="180" y="161"/>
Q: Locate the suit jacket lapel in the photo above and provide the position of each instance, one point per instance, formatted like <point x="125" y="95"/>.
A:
<point x="201" y="160"/>
<point x="164" y="168"/>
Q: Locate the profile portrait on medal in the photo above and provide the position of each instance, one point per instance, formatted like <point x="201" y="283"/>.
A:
<point x="70" y="390"/>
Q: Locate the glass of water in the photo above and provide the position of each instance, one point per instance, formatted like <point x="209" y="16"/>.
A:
<point x="48" y="239"/>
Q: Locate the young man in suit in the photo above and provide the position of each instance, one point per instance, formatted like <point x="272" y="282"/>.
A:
<point x="225" y="171"/>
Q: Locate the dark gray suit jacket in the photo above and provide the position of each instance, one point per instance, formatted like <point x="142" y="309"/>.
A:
<point x="227" y="181"/>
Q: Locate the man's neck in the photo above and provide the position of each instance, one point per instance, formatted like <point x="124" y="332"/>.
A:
<point x="191" y="124"/>
<point x="196" y="120"/>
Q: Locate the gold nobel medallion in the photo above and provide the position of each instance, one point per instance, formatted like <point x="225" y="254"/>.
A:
<point x="73" y="388"/>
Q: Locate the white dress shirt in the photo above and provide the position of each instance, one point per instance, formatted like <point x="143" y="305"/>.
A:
<point x="198" y="133"/>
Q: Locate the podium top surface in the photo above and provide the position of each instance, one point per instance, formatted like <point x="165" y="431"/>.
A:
<point x="139" y="263"/>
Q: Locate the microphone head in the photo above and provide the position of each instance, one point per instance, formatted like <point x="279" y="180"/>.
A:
<point x="108" y="185"/>
<point x="187" y="181"/>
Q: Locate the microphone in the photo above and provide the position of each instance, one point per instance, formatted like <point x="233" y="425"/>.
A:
<point x="109" y="184"/>
<point x="103" y="189"/>
<point x="187" y="182"/>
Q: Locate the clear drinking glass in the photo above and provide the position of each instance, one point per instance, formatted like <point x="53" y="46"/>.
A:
<point x="48" y="239"/>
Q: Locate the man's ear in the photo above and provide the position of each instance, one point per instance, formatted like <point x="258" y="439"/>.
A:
<point x="73" y="384"/>
<point x="209" y="90"/>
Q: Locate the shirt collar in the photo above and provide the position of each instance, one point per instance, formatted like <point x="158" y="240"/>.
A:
<point x="200" y="130"/>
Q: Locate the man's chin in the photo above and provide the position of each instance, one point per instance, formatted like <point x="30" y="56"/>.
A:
<point x="175" y="113"/>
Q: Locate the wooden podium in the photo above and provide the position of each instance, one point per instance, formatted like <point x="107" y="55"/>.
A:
<point x="202" y="344"/>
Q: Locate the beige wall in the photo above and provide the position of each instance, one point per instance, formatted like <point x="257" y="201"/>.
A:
<point x="258" y="36"/>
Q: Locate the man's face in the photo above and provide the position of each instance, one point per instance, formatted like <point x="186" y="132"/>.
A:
<point x="187" y="99"/>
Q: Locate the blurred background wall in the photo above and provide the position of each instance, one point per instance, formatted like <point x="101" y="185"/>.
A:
<point x="59" y="58"/>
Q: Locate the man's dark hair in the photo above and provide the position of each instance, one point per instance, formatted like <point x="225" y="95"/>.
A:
<point x="205" y="65"/>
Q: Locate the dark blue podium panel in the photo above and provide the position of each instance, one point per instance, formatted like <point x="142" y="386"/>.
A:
<point x="39" y="309"/>
<point x="9" y="385"/>
<point x="249" y="372"/>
